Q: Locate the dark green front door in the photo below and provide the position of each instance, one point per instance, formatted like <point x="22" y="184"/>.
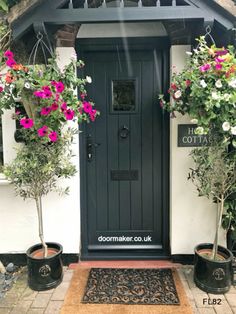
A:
<point x="124" y="155"/>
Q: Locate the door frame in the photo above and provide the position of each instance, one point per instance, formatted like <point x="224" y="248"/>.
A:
<point x="84" y="45"/>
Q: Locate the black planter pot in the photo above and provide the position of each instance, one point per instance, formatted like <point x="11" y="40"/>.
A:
<point x="44" y="273"/>
<point x="213" y="276"/>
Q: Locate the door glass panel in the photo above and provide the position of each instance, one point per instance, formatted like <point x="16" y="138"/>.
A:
<point x="123" y="95"/>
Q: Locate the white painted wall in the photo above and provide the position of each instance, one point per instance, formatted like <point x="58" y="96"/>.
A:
<point x="192" y="217"/>
<point x="144" y="29"/>
<point x="18" y="218"/>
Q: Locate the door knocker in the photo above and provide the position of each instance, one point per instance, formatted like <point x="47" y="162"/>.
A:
<point x="124" y="132"/>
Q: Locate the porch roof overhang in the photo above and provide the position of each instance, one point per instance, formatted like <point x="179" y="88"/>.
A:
<point x="53" y="12"/>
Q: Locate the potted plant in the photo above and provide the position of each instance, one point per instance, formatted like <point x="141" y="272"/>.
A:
<point x="48" y="103"/>
<point x="206" y="90"/>
<point x="214" y="175"/>
<point x="35" y="172"/>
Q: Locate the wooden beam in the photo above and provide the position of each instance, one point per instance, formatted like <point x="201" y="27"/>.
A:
<point x="105" y="15"/>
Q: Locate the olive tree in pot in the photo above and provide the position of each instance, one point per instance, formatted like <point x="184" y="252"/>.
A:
<point x="50" y="104"/>
<point x="215" y="177"/>
<point x="35" y="172"/>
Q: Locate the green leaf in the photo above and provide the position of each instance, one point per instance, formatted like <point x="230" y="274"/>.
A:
<point x="3" y="5"/>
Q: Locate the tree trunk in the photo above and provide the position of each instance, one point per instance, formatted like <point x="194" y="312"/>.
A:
<point x="220" y="207"/>
<point x="40" y="224"/>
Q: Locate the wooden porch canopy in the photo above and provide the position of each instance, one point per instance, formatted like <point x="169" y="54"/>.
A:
<point x="62" y="12"/>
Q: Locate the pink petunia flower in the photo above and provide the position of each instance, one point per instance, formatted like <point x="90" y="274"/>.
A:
<point x="69" y="114"/>
<point x="1" y="89"/>
<point x="92" y="115"/>
<point x="54" y="106"/>
<point x="43" y="131"/>
<point x="221" y="52"/>
<point x="83" y="95"/>
<point x="205" y="67"/>
<point x="57" y="97"/>
<point x="26" y="123"/>
<point x="10" y="63"/>
<point x="60" y="87"/>
<point x="219" y="60"/>
<point x="39" y="94"/>
<point x="44" y="88"/>
<point x="218" y="66"/>
<point x="45" y="111"/>
<point x="53" y="83"/>
<point x="173" y="86"/>
<point x="64" y="106"/>
<point x="87" y="107"/>
<point x="9" y="54"/>
<point x="187" y="83"/>
<point x="53" y="136"/>
<point x="47" y="93"/>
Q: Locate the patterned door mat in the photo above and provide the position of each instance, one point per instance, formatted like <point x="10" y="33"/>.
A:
<point x="131" y="286"/>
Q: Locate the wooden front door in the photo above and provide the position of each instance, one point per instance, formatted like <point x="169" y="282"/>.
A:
<point x="124" y="154"/>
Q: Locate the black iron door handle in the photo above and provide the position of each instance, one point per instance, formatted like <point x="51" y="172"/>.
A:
<point x="90" y="148"/>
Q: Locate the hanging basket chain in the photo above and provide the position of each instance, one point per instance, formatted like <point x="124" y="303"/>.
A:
<point x="40" y="43"/>
<point x="208" y="34"/>
<point x="27" y="101"/>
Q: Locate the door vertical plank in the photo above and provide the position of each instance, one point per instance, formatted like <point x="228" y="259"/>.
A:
<point x="112" y="147"/>
<point x="157" y="151"/>
<point x="147" y="154"/>
<point x="124" y="164"/>
<point x="91" y="167"/>
<point x="135" y="156"/>
<point x="101" y="150"/>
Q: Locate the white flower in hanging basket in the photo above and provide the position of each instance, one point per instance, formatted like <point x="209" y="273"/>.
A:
<point x="232" y="83"/>
<point x="226" y="126"/>
<point x="88" y="79"/>
<point x="27" y="85"/>
<point x="177" y="94"/>
<point x="203" y="83"/>
<point x="218" y="84"/>
<point x="233" y="130"/>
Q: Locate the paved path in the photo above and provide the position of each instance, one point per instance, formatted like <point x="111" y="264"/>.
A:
<point x="22" y="300"/>
<point x="201" y="302"/>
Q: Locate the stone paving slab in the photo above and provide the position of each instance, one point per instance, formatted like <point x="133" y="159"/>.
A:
<point x="22" y="300"/>
<point x="202" y="302"/>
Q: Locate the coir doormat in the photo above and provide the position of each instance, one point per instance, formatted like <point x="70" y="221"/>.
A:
<point x="131" y="286"/>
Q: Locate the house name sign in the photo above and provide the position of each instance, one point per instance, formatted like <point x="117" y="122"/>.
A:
<point x="188" y="138"/>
